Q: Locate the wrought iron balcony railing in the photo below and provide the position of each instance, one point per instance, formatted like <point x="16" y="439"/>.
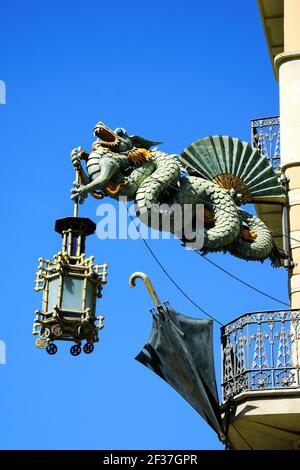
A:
<point x="261" y="351"/>
<point x="265" y="136"/>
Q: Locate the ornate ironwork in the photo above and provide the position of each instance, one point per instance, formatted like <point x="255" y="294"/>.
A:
<point x="265" y="136"/>
<point x="261" y="351"/>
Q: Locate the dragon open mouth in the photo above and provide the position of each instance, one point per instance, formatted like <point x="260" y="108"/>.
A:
<point x="106" y="137"/>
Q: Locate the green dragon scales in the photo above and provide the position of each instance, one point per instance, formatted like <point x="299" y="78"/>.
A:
<point x="222" y="173"/>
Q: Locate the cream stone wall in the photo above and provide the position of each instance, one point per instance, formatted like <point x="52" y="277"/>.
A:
<point x="291" y="25"/>
<point x="288" y="67"/>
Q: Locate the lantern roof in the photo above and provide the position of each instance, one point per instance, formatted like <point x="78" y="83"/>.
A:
<point x="78" y="224"/>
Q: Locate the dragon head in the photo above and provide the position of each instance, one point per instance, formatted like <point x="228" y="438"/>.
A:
<point x="118" y="140"/>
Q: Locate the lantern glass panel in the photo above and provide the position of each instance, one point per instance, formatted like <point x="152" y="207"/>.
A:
<point x="72" y="293"/>
<point x="53" y="293"/>
<point x="90" y="294"/>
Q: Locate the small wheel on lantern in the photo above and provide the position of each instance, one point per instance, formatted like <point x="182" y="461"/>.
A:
<point x="45" y="334"/>
<point x="75" y="350"/>
<point x="51" y="349"/>
<point x="41" y="343"/>
<point x="56" y="330"/>
<point x="88" y="348"/>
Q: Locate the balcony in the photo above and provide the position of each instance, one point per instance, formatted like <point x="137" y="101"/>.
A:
<point x="260" y="352"/>
<point x="265" y="136"/>
<point x="261" y="379"/>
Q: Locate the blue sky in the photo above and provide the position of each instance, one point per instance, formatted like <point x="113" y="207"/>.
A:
<point x="172" y="71"/>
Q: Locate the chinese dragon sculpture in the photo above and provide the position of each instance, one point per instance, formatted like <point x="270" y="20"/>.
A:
<point x="222" y="173"/>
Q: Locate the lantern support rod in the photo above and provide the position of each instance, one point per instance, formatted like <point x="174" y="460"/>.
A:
<point x="76" y="201"/>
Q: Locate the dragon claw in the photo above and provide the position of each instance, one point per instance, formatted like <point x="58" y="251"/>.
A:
<point x="76" y="157"/>
<point x="79" y="192"/>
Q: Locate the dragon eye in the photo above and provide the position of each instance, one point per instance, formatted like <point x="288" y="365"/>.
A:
<point x="119" y="131"/>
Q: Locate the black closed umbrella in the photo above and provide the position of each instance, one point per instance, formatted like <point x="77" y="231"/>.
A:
<point x="180" y="350"/>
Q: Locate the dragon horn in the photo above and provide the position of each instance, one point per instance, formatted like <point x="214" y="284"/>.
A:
<point x="140" y="142"/>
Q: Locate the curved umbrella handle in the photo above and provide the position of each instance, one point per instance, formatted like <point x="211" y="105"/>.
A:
<point x="150" y="289"/>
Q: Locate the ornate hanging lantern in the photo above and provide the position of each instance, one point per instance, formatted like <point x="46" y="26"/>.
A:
<point x="71" y="283"/>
